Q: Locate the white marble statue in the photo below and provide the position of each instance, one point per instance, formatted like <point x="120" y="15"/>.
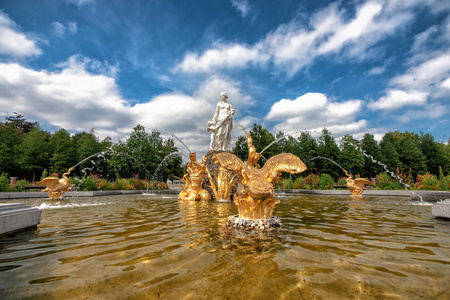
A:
<point x="221" y="125"/>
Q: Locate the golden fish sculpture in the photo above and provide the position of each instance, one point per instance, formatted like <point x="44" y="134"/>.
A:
<point x="55" y="187"/>
<point x="255" y="199"/>
<point x="192" y="190"/>
<point x="356" y="186"/>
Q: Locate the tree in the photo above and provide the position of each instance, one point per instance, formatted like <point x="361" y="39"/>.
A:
<point x="410" y="155"/>
<point x="9" y="139"/>
<point x="62" y="152"/>
<point x="434" y="155"/>
<point x="307" y="149"/>
<point x="328" y="148"/>
<point x="20" y="123"/>
<point x="261" y="138"/>
<point x="388" y="146"/>
<point x="370" y="146"/>
<point x="34" y="152"/>
<point x="351" y="158"/>
<point x="142" y="154"/>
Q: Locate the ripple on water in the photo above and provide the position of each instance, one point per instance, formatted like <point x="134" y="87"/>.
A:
<point x="148" y="247"/>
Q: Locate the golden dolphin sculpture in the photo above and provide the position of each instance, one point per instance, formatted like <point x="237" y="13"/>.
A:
<point x="192" y="190"/>
<point x="56" y="187"/>
<point x="255" y="200"/>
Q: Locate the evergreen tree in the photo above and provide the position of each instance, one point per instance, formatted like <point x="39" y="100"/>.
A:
<point x="442" y="181"/>
<point x="370" y="146"/>
<point x="261" y="138"/>
<point x="351" y="158"/>
<point x="9" y="139"/>
<point x="411" y="156"/>
<point x="328" y="148"/>
<point x="434" y="155"/>
<point x="34" y="153"/>
<point x="390" y="156"/>
<point x="307" y="149"/>
<point x="62" y="152"/>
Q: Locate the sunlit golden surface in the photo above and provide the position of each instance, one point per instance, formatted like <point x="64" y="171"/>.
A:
<point x="56" y="187"/>
<point x="255" y="199"/>
<point x="150" y="247"/>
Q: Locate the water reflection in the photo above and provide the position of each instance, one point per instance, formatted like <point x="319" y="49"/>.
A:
<point x="145" y="247"/>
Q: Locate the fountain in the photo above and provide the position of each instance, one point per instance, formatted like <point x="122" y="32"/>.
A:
<point x="55" y="187"/>
<point x="156" y="246"/>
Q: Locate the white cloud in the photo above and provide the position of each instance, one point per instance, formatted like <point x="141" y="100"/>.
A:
<point x="224" y="56"/>
<point x="313" y="112"/>
<point x="15" y="43"/>
<point x="423" y="76"/>
<point x="398" y="98"/>
<point x="376" y="71"/>
<point x="60" y="29"/>
<point x="243" y="6"/>
<point x="295" y="45"/>
<point x="81" y="3"/>
<point x="83" y="94"/>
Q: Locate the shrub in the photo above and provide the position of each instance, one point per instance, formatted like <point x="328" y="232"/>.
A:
<point x="427" y="182"/>
<point x="4" y="183"/>
<point x="121" y="184"/>
<point x="138" y="184"/>
<point x="342" y="181"/>
<point x="325" y="182"/>
<point x="89" y="184"/>
<point x="298" y="182"/>
<point x="286" y="184"/>
<point x="155" y="185"/>
<point x="384" y="182"/>
<point x="442" y="180"/>
<point x="19" y="186"/>
<point x="311" y="182"/>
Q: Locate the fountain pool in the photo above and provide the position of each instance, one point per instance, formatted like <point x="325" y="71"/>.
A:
<point x="150" y="246"/>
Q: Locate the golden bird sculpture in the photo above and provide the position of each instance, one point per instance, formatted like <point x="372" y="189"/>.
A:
<point x="356" y="186"/>
<point x="55" y="187"/>
<point x="255" y="199"/>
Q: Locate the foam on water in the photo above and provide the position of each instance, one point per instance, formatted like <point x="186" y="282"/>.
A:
<point x="58" y="205"/>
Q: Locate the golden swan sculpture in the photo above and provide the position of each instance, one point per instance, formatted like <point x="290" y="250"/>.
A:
<point x="255" y="199"/>
<point x="55" y="187"/>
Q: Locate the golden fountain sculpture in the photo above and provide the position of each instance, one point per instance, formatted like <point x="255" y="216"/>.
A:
<point x="255" y="199"/>
<point x="192" y="190"/>
<point x="56" y="186"/>
<point x="356" y="186"/>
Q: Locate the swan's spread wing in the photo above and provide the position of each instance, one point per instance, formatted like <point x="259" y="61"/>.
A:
<point x="284" y="162"/>
<point x="361" y="182"/>
<point x="49" y="182"/>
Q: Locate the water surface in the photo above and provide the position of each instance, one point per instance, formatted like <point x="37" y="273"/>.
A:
<point x="150" y="247"/>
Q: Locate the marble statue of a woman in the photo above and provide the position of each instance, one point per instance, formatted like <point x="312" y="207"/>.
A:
<point x="221" y="125"/>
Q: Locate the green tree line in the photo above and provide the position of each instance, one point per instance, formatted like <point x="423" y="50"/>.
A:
<point x="405" y="152"/>
<point x="27" y="151"/>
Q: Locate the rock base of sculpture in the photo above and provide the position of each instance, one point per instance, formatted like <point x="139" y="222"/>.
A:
<point x="213" y="169"/>
<point x="442" y="209"/>
<point x="17" y="216"/>
<point x="258" y="224"/>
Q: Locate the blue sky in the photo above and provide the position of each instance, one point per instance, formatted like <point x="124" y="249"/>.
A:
<point x="350" y="66"/>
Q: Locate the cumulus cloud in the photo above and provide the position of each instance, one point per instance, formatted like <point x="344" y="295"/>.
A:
<point x="398" y="98"/>
<point x="295" y="45"/>
<point x="83" y="94"/>
<point x="313" y="112"/>
<point x="13" y="42"/>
